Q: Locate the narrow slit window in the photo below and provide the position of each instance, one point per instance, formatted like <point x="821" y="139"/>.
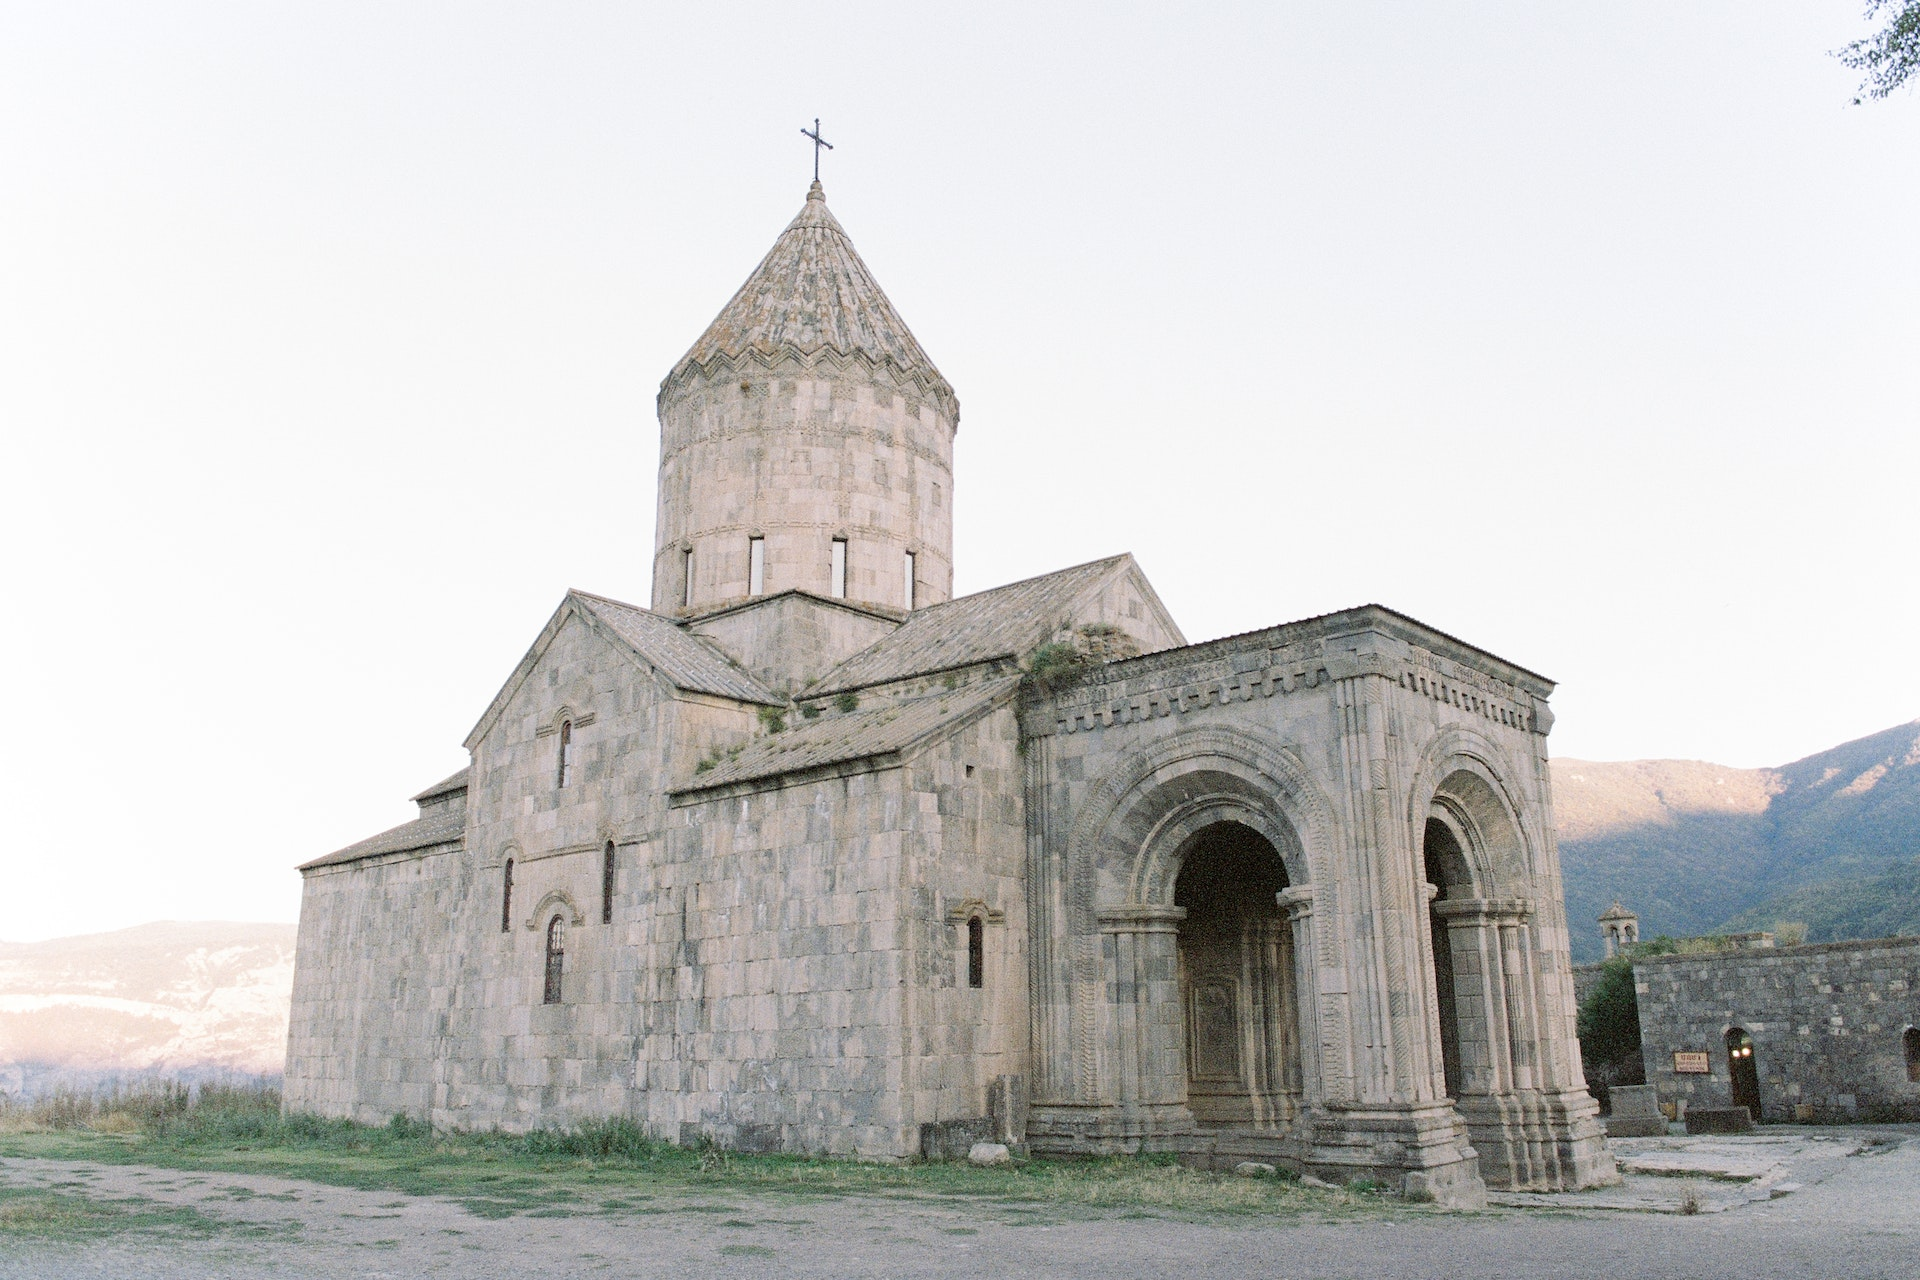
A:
<point x="606" y="885"/>
<point x="506" y="898"/>
<point x="756" y="566"/>
<point x="564" y="773"/>
<point x="556" y="958"/>
<point x="907" y="593"/>
<point x="839" y="587"/>
<point x="976" y="953"/>
<point x="1911" y="1043"/>
<point x="686" y="578"/>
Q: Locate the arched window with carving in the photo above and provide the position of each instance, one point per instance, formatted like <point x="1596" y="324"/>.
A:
<point x="556" y="957"/>
<point x="976" y="953"/>
<point x="566" y="752"/>
<point x="506" y="898"/>
<point x="606" y="885"/>
<point x="1910" y="1042"/>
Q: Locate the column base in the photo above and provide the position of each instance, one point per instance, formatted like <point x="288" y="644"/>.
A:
<point x="1104" y="1129"/>
<point x="1420" y="1150"/>
<point x="1531" y="1141"/>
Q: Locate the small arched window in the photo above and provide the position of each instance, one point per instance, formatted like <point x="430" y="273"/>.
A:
<point x="506" y="898"/>
<point x="566" y="752"/>
<point x="976" y="953"/>
<point x="556" y="957"/>
<point x="606" y="885"/>
<point x="1910" y="1042"/>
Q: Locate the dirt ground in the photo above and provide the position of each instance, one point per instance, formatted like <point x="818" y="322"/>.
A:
<point x="1837" y="1207"/>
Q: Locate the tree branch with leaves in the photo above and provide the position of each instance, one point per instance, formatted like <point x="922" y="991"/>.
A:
<point x="1891" y="56"/>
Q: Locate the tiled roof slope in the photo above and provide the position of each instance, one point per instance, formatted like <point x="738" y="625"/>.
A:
<point x="1004" y="622"/>
<point x="684" y="658"/>
<point x="853" y="735"/>
<point x="812" y="293"/>
<point x="442" y="827"/>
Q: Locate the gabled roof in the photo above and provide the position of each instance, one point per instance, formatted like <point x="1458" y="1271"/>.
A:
<point x="683" y="660"/>
<point x="812" y="293"/>
<point x="839" y="738"/>
<point x="682" y="657"/>
<point x="1005" y="622"/>
<point x="446" y="786"/>
<point x="446" y="826"/>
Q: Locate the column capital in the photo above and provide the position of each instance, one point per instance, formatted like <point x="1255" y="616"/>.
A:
<point x="1488" y="910"/>
<point x="1140" y="917"/>
<point x="1296" y="901"/>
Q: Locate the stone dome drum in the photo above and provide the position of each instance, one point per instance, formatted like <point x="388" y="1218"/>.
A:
<point x="806" y="415"/>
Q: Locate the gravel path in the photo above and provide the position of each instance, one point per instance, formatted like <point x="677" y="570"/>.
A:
<point x="1861" y="1218"/>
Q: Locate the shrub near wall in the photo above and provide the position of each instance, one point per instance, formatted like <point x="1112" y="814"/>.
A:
<point x="1828" y="1024"/>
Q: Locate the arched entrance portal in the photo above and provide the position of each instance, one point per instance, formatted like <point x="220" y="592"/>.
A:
<point x="1236" y="981"/>
<point x="1741" y="1071"/>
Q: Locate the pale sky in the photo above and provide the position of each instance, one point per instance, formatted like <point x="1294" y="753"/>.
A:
<point x="329" y="336"/>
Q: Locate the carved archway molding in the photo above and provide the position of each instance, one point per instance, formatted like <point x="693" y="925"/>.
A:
<point x="549" y="901"/>
<point x="1282" y="802"/>
<point x="1462" y="750"/>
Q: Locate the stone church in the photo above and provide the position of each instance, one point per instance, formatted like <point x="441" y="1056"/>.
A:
<point x="811" y="855"/>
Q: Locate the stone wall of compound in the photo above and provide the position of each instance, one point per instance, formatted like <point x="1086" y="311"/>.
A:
<point x="801" y="453"/>
<point x="1827" y="1022"/>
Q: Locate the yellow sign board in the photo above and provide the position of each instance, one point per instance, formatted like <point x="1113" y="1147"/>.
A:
<point x="1691" y="1064"/>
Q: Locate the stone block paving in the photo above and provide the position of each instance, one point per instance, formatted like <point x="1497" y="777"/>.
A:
<point x="1682" y="1174"/>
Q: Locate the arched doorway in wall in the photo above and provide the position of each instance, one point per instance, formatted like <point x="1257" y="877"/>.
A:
<point x="1236" y="980"/>
<point x="1743" y="1075"/>
<point x="1446" y="870"/>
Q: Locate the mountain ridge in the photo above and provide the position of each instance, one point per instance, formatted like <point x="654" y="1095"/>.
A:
<point x="1694" y="847"/>
<point x="194" y="1000"/>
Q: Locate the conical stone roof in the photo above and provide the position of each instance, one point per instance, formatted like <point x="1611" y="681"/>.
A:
<point x="813" y="294"/>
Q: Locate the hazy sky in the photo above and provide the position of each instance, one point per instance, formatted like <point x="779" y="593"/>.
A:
<point x="329" y="336"/>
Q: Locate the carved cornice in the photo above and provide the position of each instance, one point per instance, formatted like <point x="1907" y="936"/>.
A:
<point x="821" y="361"/>
<point x="1178" y="681"/>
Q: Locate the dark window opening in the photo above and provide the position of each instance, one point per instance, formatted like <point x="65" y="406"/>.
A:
<point x="976" y="953"/>
<point x="556" y="957"/>
<point x="606" y="886"/>
<point x="1911" y="1043"/>
<point x="506" y="898"/>
<point x="566" y="752"/>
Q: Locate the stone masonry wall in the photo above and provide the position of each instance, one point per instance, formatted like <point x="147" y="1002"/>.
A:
<point x="1826" y="1023"/>
<point x="370" y="983"/>
<point x="785" y="963"/>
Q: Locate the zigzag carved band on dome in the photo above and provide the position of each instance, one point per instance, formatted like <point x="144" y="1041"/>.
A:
<point x="721" y="367"/>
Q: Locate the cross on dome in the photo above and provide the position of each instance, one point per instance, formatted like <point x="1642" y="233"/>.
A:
<point x="818" y="142"/>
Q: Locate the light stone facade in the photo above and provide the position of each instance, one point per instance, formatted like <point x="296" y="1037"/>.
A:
<point x="787" y="869"/>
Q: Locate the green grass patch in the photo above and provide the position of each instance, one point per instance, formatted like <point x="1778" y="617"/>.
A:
<point x="612" y="1167"/>
<point x="44" y="1214"/>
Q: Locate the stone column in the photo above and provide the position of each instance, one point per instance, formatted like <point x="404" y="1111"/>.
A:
<point x="1144" y="1063"/>
<point x="1297" y="902"/>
